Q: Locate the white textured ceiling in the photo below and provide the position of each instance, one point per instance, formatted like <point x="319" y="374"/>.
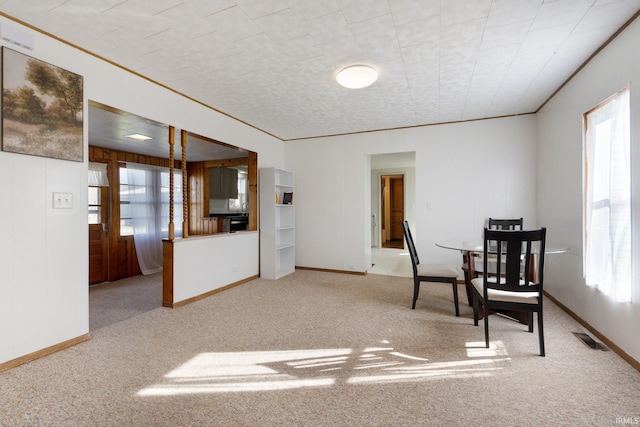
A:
<point x="272" y="63"/>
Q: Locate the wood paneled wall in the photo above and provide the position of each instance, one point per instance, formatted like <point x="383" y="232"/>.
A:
<point x="199" y="221"/>
<point x="252" y="196"/>
<point x="123" y="261"/>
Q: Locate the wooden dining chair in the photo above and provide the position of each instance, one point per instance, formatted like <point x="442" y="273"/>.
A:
<point x="472" y="265"/>
<point x="429" y="272"/>
<point x="505" y="224"/>
<point x="509" y="288"/>
<point x="495" y="224"/>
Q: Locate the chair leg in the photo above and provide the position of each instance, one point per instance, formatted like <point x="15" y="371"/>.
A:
<point x="455" y="296"/>
<point x="531" y="321"/>
<point x="486" y="324"/>
<point x="416" y="290"/>
<point x="475" y="308"/>
<point x="540" y="333"/>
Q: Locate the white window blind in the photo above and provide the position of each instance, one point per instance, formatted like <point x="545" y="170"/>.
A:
<point x="607" y="196"/>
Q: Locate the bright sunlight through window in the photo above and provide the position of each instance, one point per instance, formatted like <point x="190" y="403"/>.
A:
<point x="607" y="197"/>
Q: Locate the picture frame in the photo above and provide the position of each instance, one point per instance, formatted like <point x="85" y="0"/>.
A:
<point x="41" y="108"/>
<point x="287" y="198"/>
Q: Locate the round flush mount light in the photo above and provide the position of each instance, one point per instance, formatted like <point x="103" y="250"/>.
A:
<point x="357" y="76"/>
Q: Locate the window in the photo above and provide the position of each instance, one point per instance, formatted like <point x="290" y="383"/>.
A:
<point x="240" y="204"/>
<point x="95" y="205"/>
<point x="97" y="179"/>
<point x="607" y="197"/>
<point x="126" y="224"/>
<point x="130" y="191"/>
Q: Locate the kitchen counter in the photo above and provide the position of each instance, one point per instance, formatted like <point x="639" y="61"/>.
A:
<point x="228" y="214"/>
<point x="232" y="221"/>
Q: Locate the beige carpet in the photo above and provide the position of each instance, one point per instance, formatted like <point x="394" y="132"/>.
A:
<point x="113" y="302"/>
<point x="322" y="349"/>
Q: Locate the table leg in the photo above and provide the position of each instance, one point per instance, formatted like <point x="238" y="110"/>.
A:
<point x="467" y="269"/>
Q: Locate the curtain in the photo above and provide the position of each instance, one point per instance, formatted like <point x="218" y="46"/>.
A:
<point x="607" y="251"/>
<point x="98" y="174"/>
<point x="148" y="189"/>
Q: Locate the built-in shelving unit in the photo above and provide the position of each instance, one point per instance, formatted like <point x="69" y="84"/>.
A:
<point x="277" y="223"/>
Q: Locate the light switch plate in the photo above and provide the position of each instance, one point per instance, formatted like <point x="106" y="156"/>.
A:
<point x="62" y="200"/>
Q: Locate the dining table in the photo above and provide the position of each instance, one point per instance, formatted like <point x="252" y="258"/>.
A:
<point x="473" y="249"/>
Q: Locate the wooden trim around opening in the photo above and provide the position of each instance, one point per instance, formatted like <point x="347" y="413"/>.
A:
<point x="167" y="273"/>
<point x="207" y="294"/>
<point x="44" y="352"/>
<point x="329" y="270"/>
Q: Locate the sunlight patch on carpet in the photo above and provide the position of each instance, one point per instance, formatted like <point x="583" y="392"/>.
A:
<point x="253" y="371"/>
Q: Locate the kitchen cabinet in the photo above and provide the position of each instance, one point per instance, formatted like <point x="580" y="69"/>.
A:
<point x="223" y="183"/>
<point x="277" y="224"/>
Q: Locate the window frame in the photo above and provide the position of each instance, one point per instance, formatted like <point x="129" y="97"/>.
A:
<point x="607" y="208"/>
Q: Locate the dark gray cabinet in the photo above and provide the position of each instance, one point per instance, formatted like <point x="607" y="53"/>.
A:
<point x="223" y="183"/>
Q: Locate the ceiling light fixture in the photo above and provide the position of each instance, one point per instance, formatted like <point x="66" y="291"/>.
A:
<point x="357" y="76"/>
<point x="139" y="137"/>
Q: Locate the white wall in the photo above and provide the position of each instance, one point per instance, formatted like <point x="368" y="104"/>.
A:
<point x="43" y="252"/>
<point x="560" y="185"/>
<point x="206" y="263"/>
<point x="467" y="172"/>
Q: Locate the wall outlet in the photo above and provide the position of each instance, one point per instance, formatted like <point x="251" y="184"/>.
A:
<point x="62" y="200"/>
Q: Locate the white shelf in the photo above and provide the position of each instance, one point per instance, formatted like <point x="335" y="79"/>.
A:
<point x="277" y="224"/>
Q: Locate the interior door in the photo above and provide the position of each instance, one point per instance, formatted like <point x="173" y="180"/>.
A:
<point x="98" y="235"/>
<point x="392" y="211"/>
<point x="397" y="207"/>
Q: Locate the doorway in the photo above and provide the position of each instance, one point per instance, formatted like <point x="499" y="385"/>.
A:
<point x="98" y="234"/>
<point x="392" y="211"/>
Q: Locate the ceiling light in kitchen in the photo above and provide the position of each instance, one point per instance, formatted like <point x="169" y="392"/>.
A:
<point x="139" y="137"/>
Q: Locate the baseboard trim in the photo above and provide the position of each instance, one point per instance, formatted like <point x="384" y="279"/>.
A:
<point x="44" y="352"/>
<point x="208" y="294"/>
<point x="620" y="352"/>
<point x="329" y="270"/>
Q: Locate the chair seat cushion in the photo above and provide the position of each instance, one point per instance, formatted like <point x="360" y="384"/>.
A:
<point x="437" y="270"/>
<point x="523" y="297"/>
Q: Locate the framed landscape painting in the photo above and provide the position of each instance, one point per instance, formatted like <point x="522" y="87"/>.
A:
<point x="41" y="108"/>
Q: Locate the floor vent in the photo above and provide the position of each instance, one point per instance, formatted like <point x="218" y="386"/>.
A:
<point x="589" y="342"/>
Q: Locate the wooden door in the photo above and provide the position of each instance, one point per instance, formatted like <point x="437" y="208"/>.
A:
<point x="392" y="209"/>
<point x="98" y="235"/>
<point x="97" y="254"/>
<point x="397" y="208"/>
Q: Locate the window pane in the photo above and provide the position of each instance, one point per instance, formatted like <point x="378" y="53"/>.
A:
<point x="94" y="195"/>
<point x="123" y="176"/>
<point x="124" y="193"/>
<point x="94" y="215"/>
<point x="126" y="227"/>
<point x="125" y="210"/>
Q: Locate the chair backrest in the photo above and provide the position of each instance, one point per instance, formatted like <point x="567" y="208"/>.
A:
<point x="505" y="224"/>
<point x="519" y="259"/>
<point x="412" y="248"/>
